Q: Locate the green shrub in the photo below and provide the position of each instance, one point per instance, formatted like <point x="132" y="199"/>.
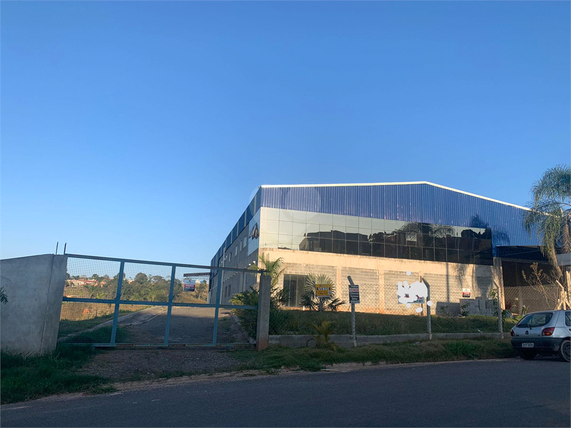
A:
<point x="322" y="337"/>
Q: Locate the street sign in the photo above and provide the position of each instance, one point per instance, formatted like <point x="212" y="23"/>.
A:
<point x="322" y="290"/>
<point x="353" y="298"/>
<point x="354" y="293"/>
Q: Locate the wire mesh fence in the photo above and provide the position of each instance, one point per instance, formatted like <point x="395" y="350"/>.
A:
<point x="520" y="300"/>
<point x="119" y="301"/>
<point x="392" y="302"/>
<point x="150" y="303"/>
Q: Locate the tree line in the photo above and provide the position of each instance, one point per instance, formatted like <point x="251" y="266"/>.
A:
<point x="150" y="288"/>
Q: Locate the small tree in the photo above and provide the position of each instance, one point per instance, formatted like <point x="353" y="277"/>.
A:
<point x="316" y="303"/>
<point x="3" y="297"/>
<point x="548" y="286"/>
<point x="201" y="291"/>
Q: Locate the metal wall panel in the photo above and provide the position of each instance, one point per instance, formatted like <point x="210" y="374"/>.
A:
<point x="423" y="203"/>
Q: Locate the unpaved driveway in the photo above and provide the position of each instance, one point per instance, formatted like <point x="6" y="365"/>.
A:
<point x="193" y="326"/>
<point x="139" y="364"/>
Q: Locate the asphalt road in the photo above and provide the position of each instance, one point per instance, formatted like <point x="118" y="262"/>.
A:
<point x="463" y="394"/>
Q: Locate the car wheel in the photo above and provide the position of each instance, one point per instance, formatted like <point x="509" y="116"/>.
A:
<point x="565" y="350"/>
<point x="528" y="355"/>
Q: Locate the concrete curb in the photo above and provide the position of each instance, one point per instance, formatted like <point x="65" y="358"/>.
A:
<point x="346" y="340"/>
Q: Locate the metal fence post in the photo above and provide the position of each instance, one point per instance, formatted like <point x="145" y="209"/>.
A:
<point x="117" y="304"/>
<point x="263" y="327"/>
<point x="169" y="309"/>
<point x="217" y="307"/>
<point x="428" y="315"/>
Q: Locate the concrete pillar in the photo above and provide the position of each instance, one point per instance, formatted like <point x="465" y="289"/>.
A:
<point x="34" y="287"/>
<point x="263" y="328"/>
<point x="498" y="284"/>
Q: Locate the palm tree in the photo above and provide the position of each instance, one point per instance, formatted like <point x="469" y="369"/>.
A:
<point x="315" y="303"/>
<point x="274" y="269"/>
<point x="550" y="212"/>
<point x="550" y="218"/>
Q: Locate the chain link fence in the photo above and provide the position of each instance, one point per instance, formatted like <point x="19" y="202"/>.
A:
<point x="521" y="300"/>
<point x="390" y="303"/>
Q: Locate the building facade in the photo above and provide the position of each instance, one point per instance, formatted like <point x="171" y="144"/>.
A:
<point x="383" y="235"/>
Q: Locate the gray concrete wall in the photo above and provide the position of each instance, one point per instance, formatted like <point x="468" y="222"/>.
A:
<point x="34" y="286"/>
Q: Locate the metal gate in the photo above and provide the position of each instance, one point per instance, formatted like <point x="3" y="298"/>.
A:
<point x="149" y="303"/>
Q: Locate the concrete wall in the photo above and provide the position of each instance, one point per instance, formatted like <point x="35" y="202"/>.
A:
<point x="378" y="277"/>
<point x="34" y="286"/>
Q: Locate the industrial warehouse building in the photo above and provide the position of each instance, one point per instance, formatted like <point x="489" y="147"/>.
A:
<point x="463" y="245"/>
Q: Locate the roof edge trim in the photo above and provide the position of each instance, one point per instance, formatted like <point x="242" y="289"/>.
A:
<point x="393" y="184"/>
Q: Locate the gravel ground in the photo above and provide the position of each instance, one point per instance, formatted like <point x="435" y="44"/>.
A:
<point x="188" y="325"/>
<point x="123" y="364"/>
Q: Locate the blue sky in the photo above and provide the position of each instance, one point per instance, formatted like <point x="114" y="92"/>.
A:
<point x="141" y="129"/>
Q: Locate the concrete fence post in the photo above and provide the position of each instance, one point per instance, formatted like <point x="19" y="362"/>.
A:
<point x="263" y="330"/>
<point x="498" y="281"/>
<point x="34" y="286"/>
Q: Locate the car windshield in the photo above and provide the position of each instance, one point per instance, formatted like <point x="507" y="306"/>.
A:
<point x="535" y="320"/>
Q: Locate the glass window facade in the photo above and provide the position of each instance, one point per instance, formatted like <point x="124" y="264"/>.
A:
<point x="293" y="286"/>
<point x="331" y="233"/>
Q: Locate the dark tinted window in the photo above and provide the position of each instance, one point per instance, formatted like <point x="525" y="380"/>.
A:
<point x="376" y="237"/>
<point x="352" y="247"/>
<point x="326" y="245"/>
<point x="293" y="289"/>
<point x="391" y="251"/>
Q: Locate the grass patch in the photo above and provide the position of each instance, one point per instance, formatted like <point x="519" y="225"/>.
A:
<point x="299" y="322"/>
<point x="26" y="378"/>
<point x="313" y="359"/>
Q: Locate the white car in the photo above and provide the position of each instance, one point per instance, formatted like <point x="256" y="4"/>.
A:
<point x="543" y="332"/>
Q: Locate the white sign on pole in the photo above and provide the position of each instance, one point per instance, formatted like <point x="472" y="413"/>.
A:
<point x="354" y="293"/>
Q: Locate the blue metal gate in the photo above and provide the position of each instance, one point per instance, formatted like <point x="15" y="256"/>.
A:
<point x="95" y="276"/>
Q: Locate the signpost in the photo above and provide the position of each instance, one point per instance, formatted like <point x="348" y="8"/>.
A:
<point x="428" y="305"/>
<point x="354" y="293"/>
<point x="353" y="298"/>
<point x="188" y="283"/>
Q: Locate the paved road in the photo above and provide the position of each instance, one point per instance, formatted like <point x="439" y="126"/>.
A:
<point x="467" y="394"/>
